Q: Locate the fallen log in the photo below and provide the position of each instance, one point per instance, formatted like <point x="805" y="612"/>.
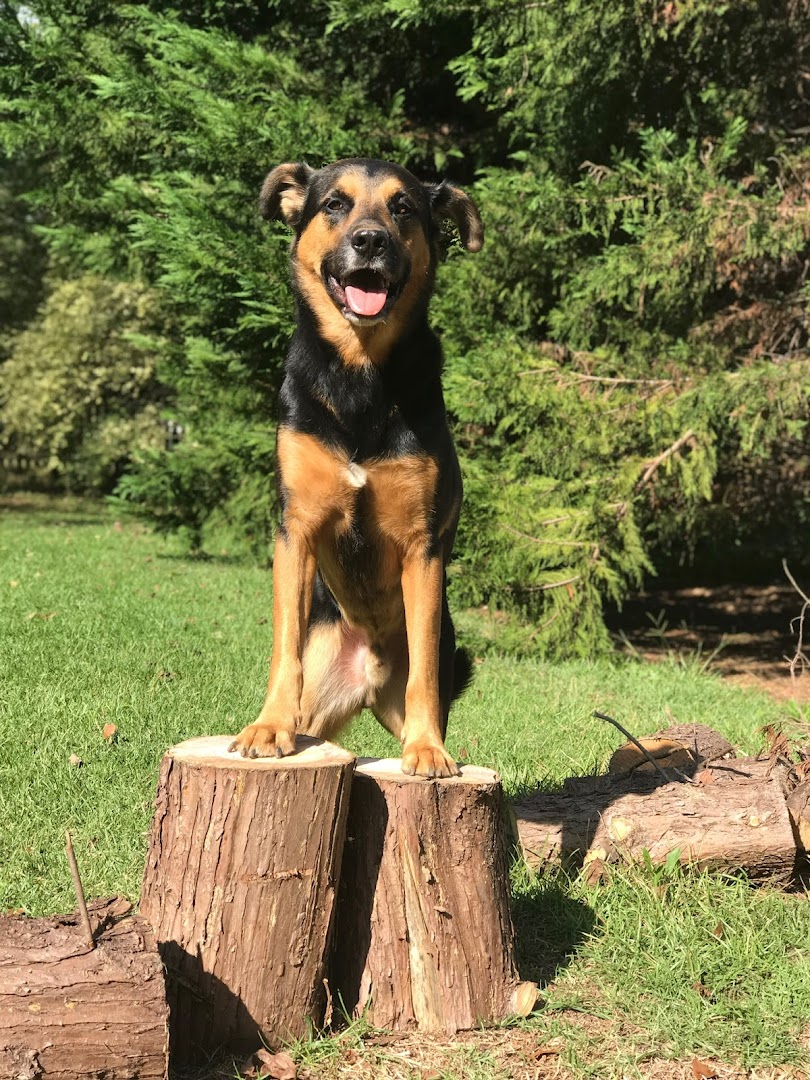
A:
<point x="69" y="1011"/>
<point x="424" y="935"/>
<point x="239" y="884"/>
<point x="732" y="818"/>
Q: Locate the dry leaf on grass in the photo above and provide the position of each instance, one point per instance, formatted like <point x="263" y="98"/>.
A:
<point x="109" y="731"/>
<point x="75" y="761"/>
<point x="703" y="1070"/>
<point x="548" y="1049"/>
<point x="264" y="1065"/>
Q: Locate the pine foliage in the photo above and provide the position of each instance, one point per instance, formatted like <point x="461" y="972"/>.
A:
<point x="627" y="358"/>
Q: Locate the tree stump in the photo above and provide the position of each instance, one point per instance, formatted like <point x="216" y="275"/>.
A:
<point x="73" y="1012"/>
<point x="239" y="884"/>
<point x="424" y="935"/>
<point x="732" y="818"/>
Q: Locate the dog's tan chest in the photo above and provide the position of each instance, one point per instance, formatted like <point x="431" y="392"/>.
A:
<point x="324" y="490"/>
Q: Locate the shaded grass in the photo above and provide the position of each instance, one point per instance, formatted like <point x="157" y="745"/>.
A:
<point x="676" y="963"/>
<point x="107" y="623"/>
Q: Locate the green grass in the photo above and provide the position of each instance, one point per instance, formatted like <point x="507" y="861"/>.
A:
<point x="107" y="623"/>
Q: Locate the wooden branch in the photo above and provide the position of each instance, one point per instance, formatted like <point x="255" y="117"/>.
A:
<point x="800" y="660"/>
<point x="608" y="380"/>
<point x="553" y="542"/>
<point x="657" y="462"/>
<point x="551" y="584"/>
<point x="77" y="885"/>
<point x="643" y="749"/>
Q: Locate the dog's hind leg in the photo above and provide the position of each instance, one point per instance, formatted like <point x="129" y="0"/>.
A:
<point x="389" y="701"/>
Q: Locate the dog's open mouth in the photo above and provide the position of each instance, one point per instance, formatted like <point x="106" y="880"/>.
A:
<point x="363" y="292"/>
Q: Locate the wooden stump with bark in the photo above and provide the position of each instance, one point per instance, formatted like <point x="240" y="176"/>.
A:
<point x="424" y="934"/>
<point x="69" y="1011"/>
<point x="239" y="884"/>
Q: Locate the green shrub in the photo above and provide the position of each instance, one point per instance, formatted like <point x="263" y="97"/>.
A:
<point x="79" y="392"/>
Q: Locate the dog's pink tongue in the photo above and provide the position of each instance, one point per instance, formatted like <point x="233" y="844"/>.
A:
<point x="366" y="301"/>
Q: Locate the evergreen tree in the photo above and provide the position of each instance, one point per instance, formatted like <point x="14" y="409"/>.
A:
<point x="627" y="362"/>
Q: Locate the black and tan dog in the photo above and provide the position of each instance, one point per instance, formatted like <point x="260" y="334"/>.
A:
<point x="368" y="477"/>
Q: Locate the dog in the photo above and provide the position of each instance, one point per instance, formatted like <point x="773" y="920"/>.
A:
<point x="368" y="479"/>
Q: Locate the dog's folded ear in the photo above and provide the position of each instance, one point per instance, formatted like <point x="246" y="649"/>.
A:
<point x="284" y="192"/>
<point x="449" y="202"/>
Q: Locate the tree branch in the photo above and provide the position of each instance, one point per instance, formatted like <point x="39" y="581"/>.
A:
<point x="654" y="465"/>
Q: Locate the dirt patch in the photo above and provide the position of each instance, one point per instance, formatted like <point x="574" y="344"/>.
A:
<point x="746" y="633"/>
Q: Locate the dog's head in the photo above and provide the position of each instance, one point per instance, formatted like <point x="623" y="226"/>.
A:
<point x="366" y="235"/>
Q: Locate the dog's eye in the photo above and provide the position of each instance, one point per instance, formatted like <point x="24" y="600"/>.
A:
<point x="334" y="205"/>
<point x="402" y="210"/>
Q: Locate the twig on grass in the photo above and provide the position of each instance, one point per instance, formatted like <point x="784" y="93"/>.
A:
<point x="77" y="885"/>
<point x="603" y="716"/>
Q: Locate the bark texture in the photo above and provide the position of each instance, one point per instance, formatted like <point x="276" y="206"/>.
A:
<point x="734" y="817"/>
<point x="68" y="1012"/>
<point x="424" y="935"/>
<point x="239" y="884"/>
<point x="798" y="804"/>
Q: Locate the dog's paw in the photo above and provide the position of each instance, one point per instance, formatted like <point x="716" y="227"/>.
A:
<point x="424" y="758"/>
<point x="264" y="740"/>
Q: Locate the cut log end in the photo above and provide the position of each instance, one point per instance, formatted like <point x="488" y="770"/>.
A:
<point x="523" y="999"/>
<point x="390" y="769"/>
<point x="212" y="751"/>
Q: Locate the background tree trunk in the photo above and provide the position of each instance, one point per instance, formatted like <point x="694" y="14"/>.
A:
<point x="70" y="1012"/>
<point x="240" y="880"/>
<point x="424" y="935"/>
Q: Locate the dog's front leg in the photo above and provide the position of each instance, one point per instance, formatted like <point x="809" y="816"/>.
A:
<point x="423" y="751"/>
<point x="293" y="576"/>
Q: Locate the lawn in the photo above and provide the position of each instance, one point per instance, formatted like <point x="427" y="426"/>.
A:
<point x="106" y="623"/>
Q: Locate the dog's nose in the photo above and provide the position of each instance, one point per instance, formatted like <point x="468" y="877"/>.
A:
<point x="370" y="242"/>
